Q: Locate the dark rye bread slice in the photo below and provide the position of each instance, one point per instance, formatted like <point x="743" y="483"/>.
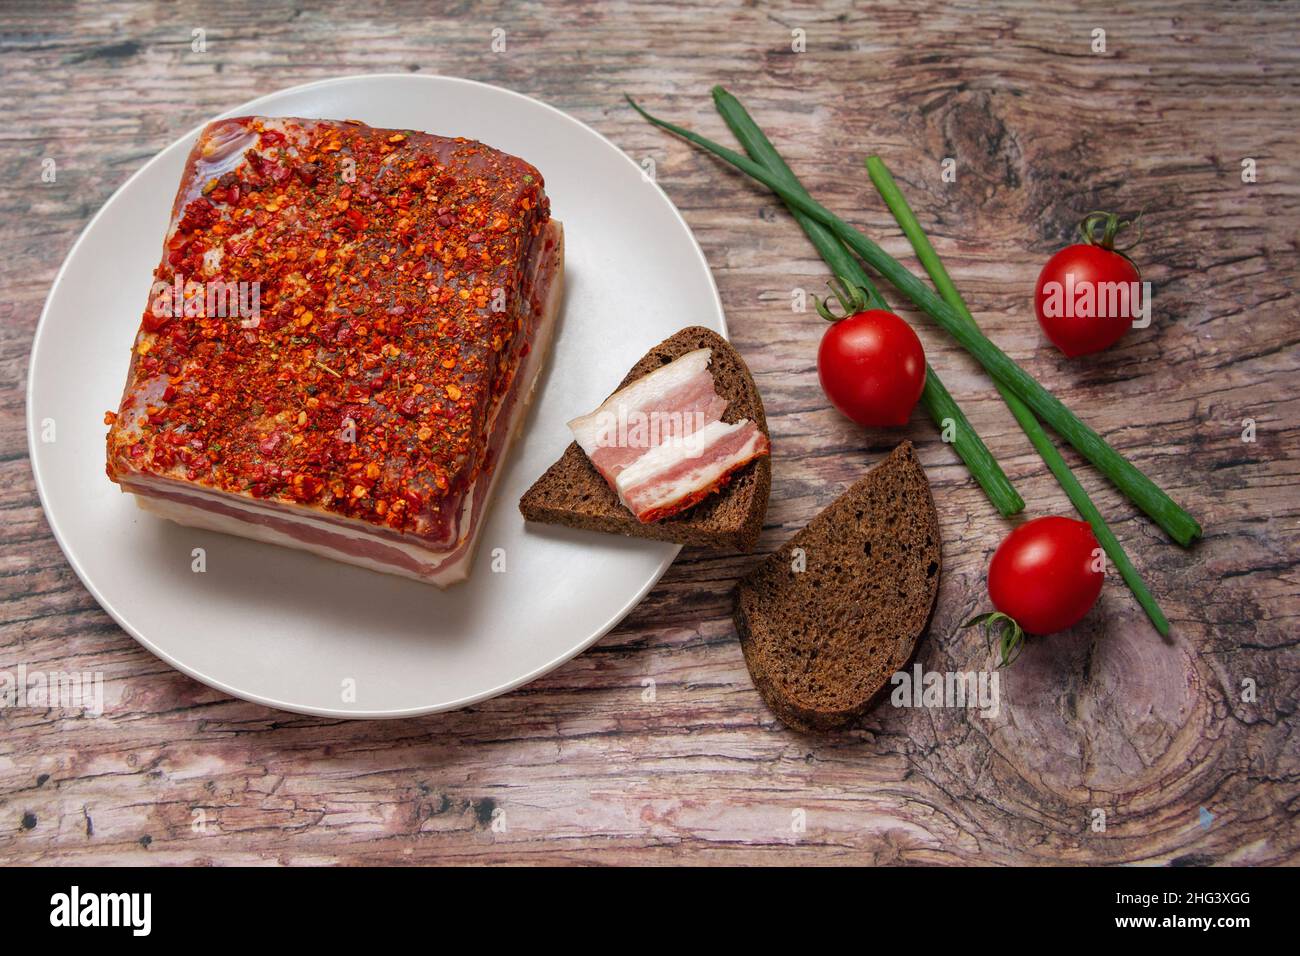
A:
<point x="573" y="493"/>
<point x="823" y="642"/>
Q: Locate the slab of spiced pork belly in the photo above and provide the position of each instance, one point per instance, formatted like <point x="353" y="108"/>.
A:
<point x="343" y="333"/>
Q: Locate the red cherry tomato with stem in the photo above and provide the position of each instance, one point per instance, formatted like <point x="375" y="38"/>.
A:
<point x="871" y="364"/>
<point x="1089" y="294"/>
<point x="1044" y="577"/>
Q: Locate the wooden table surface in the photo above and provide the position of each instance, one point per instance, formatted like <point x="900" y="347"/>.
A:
<point x="578" y="767"/>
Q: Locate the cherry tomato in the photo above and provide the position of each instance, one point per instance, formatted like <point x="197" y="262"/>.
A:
<point x="872" y="368"/>
<point x="1088" y="294"/>
<point x="1046" y="574"/>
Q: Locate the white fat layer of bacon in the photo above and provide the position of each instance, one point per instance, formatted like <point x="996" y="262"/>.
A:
<point x="196" y="516"/>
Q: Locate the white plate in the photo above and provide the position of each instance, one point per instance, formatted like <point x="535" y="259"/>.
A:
<point x="288" y="629"/>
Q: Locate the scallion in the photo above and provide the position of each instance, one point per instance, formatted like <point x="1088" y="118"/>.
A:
<point x="1176" y="522"/>
<point x="936" y="399"/>
<point x="1033" y="429"/>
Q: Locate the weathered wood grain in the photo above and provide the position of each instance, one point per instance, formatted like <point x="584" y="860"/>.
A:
<point x="579" y="766"/>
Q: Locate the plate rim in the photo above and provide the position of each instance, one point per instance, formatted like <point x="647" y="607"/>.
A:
<point x="184" y="140"/>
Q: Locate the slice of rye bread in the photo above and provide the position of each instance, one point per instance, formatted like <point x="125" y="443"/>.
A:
<point x="573" y="493"/>
<point x="823" y="642"/>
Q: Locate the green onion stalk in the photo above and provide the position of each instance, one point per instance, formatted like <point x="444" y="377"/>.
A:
<point x="1140" y="489"/>
<point x="1033" y="429"/>
<point x="935" y="398"/>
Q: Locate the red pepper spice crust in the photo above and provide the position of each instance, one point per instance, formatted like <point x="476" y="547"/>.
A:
<point x="395" y="307"/>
